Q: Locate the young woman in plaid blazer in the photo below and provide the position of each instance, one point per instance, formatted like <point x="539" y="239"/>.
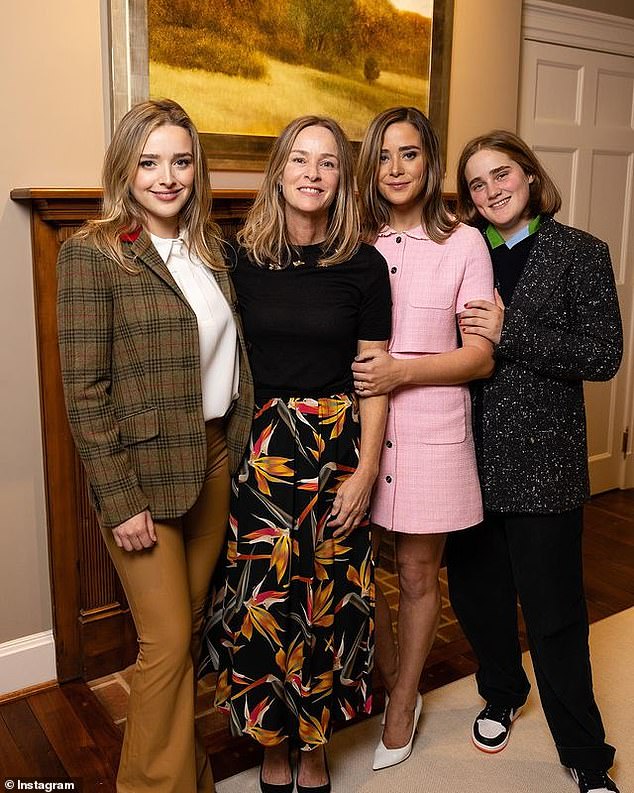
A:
<point x="159" y="400"/>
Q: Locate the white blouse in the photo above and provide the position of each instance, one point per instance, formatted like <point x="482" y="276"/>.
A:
<point x="217" y="334"/>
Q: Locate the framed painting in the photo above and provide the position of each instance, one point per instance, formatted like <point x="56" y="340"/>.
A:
<point x="244" y="68"/>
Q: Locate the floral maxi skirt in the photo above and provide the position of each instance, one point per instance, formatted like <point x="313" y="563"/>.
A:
<point x="291" y="619"/>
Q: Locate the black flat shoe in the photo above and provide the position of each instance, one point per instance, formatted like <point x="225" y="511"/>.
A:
<point x="269" y="787"/>
<point x="325" y="788"/>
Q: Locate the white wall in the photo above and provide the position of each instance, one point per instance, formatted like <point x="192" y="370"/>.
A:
<point x="52" y="134"/>
<point x="484" y="73"/>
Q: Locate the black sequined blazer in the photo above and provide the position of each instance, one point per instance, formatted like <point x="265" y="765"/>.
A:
<point x="562" y="326"/>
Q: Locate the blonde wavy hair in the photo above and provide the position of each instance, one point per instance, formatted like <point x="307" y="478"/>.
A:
<point x="375" y="209"/>
<point x="122" y="214"/>
<point x="265" y="236"/>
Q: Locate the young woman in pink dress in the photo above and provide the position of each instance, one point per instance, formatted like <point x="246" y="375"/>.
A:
<point x="428" y="482"/>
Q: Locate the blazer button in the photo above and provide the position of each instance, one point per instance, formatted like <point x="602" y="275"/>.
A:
<point x="388" y="479"/>
<point x="388" y="444"/>
<point x="393" y="270"/>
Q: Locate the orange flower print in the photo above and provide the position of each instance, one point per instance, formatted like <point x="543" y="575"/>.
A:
<point x="314" y="731"/>
<point x="271" y="468"/>
<point x="362" y="577"/>
<point x="253" y="721"/>
<point x="280" y="539"/>
<point x="258" y="616"/>
<point x="334" y="412"/>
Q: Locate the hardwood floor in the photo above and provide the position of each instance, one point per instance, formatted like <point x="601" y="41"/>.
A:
<point x="69" y="732"/>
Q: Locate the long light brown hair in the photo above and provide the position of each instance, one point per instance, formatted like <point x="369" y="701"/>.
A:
<point x="122" y="213"/>
<point x="375" y="209"/>
<point x="265" y="235"/>
<point x="544" y="197"/>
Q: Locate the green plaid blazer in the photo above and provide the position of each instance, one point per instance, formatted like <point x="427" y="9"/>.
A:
<point x="131" y="374"/>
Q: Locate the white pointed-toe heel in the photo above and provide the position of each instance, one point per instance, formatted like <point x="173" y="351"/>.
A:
<point x="384" y="757"/>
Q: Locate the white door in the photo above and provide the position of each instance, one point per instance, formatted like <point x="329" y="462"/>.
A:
<point x="576" y="110"/>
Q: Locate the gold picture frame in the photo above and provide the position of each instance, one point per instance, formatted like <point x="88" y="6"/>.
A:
<point x="130" y="83"/>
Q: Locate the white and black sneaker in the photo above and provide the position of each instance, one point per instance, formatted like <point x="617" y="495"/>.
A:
<point x="492" y="727"/>
<point x="590" y="781"/>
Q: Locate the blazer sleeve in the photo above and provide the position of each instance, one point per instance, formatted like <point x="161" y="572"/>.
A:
<point x="591" y="347"/>
<point x="85" y="330"/>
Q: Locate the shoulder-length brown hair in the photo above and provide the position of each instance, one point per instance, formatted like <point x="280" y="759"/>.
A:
<point x="265" y="235"/>
<point x="375" y="209"/>
<point x="122" y="213"/>
<point x="544" y="197"/>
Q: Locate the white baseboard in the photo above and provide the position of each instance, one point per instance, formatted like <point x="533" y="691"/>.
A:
<point x="27" y="661"/>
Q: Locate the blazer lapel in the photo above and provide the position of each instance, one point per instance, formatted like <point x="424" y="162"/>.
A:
<point x="545" y="265"/>
<point x="143" y="249"/>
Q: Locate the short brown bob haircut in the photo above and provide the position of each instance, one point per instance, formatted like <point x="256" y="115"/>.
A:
<point x="544" y="197"/>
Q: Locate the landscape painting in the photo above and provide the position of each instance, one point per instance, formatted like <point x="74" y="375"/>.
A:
<point x="244" y="68"/>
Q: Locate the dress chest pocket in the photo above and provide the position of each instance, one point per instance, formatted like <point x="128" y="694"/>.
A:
<point x="432" y="285"/>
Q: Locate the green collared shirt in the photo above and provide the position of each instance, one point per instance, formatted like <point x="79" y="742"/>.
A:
<point x="496" y="239"/>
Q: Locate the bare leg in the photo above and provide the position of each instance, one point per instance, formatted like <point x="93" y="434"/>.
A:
<point x="418" y="559"/>
<point x="276" y="766"/>
<point x="312" y="768"/>
<point x="386" y="652"/>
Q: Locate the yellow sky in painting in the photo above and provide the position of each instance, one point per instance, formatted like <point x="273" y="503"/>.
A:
<point x="424" y="7"/>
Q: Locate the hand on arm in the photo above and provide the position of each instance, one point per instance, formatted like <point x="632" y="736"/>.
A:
<point x="483" y="318"/>
<point x="376" y="372"/>
<point x="136" y="533"/>
<point x="353" y="496"/>
<point x="379" y="373"/>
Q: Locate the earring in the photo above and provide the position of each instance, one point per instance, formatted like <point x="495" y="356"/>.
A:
<point x="279" y="188"/>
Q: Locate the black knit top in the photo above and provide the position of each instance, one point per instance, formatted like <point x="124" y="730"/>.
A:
<point x="302" y="323"/>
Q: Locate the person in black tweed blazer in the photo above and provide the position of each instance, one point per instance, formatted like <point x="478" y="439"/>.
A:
<point x="555" y="323"/>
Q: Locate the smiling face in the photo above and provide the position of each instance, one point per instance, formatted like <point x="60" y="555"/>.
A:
<point x="164" y="178"/>
<point x="499" y="189"/>
<point x="402" y="172"/>
<point x="310" y="177"/>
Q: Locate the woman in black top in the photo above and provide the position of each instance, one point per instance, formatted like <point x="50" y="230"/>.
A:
<point x="555" y="323"/>
<point x="295" y="612"/>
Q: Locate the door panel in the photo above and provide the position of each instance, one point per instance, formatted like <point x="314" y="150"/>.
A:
<point x="577" y="112"/>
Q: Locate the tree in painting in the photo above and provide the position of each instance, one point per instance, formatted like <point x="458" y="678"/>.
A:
<point x="249" y="66"/>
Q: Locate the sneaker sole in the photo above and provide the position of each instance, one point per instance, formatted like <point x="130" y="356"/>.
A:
<point x="495" y="749"/>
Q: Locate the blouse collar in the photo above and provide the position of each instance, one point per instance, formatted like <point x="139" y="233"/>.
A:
<point x="417" y="233"/>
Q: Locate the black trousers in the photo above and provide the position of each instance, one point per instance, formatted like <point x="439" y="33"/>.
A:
<point x="538" y="559"/>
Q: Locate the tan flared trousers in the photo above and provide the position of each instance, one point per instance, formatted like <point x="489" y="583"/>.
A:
<point x="166" y="587"/>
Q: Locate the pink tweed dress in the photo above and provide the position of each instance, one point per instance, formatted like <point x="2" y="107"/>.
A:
<point x="428" y="479"/>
